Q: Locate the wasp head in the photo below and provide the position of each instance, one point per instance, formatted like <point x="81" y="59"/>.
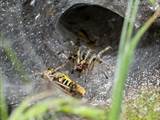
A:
<point x="47" y="73"/>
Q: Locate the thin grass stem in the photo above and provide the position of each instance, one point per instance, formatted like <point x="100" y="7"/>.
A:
<point x="123" y="66"/>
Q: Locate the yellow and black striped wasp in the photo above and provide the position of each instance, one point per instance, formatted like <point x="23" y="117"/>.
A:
<point x="64" y="81"/>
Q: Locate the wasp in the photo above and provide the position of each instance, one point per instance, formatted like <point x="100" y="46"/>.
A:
<point x="64" y="81"/>
<point x="85" y="60"/>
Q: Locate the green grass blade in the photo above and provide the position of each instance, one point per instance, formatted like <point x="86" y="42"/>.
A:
<point x="125" y="27"/>
<point x="11" y="54"/>
<point x="152" y="1"/>
<point x="144" y="28"/>
<point x="17" y="114"/>
<point x="132" y="20"/>
<point x="119" y="85"/>
<point x="3" y="106"/>
<point x="67" y="106"/>
<point x="124" y="62"/>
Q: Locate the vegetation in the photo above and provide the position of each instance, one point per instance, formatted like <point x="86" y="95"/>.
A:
<point x="126" y="53"/>
<point x="3" y="106"/>
<point x="11" y="54"/>
<point x="146" y="106"/>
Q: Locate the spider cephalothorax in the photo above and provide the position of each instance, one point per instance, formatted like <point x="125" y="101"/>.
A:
<point x="84" y="60"/>
<point x="82" y="66"/>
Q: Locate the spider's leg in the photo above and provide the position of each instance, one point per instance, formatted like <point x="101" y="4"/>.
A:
<point x="86" y="75"/>
<point x="91" y="62"/>
<point x="99" y="55"/>
<point x="87" y="55"/>
<point x="83" y="55"/>
<point x="78" y="55"/>
<point x="72" y="71"/>
<point x="92" y="59"/>
<point x="105" y="75"/>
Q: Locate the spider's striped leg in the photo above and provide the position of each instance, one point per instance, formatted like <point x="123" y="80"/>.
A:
<point x="91" y="62"/>
<point x="78" y="55"/>
<point x="99" y="55"/>
<point x="87" y="73"/>
<point x="87" y="54"/>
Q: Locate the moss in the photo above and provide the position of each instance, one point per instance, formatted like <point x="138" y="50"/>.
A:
<point x="145" y="106"/>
